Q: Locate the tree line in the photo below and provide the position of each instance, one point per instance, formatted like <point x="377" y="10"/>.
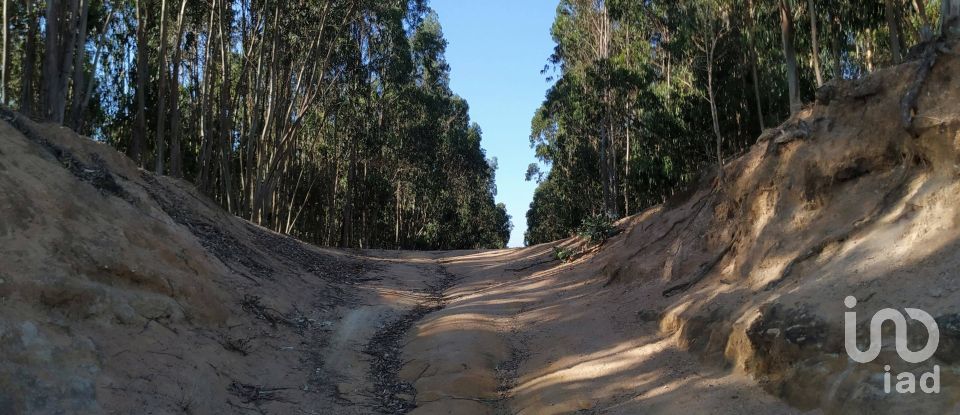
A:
<point x="649" y="94"/>
<point x="330" y="120"/>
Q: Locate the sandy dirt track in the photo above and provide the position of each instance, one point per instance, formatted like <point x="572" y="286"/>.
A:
<point x="512" y="339"/>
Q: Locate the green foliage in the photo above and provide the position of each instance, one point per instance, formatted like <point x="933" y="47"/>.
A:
<point x="331" y="120"/>
<point x="647" y="96"/>
<point x="563" y="254"/>
<point x="596" y="229"/>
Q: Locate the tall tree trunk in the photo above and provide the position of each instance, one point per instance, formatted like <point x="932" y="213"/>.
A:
<point x="602" y="37"/>
<point x="161" y="88"/>
<point x="140" y="130"/>
<point x="669" y="76"/>
<point x="814" y="44"/>
<point x="926" y="27"/>
<point x="605" y="170"/>
<point x="790" y="55"/>
<point x="29" y="63"/>
<point x="711" y="49"/>
<point x="63" y="21"/>
<point x="226" y="137"/>
<point x="398" y="216"/>
<point x="892" y="12"/>
<point x="176" y="154"/>
<point x="752" y="45"/>
<point x="626" y="164"/>
<point x="838" y="43"/>
<point x="950" y="18"/>
<point x="51" y="60"/>
<point x="78" y="67"/>
<point x="5" y="79"/>
<point x="612" y="159"/>
<point x="76" y="22"/>
<point x="84" y="85"/>
<point x="206" y="114"/>
<point x="346" y="238"/>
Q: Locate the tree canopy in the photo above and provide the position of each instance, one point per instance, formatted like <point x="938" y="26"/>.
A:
<point x="651" y="95"/>
<point x="331" y="120"/>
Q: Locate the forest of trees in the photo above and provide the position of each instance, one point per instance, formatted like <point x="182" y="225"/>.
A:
<point x="331" y="120"/>
<point x="649" y="95"/>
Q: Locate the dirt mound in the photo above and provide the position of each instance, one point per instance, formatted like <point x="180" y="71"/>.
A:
<point x="839" y="201"/>
<point x="122" y="291"/>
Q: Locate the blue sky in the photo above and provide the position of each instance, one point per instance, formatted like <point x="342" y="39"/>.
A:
<point x="496" y="51"/>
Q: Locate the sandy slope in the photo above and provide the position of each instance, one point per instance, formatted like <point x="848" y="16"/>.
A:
<point x="122" y="292"/>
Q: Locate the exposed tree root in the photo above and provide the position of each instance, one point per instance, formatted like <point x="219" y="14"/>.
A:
<point x="700" y="274"/>
<point x="884" y="205"/>
<point x="908" y="105"/>
<point x="688" y="220"/>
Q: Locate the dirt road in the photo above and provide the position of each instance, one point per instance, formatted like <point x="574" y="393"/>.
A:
<point x="189" y="309"/>
<point x="514" y="332"/>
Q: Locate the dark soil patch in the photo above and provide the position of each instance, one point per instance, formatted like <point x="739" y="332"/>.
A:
<point x="299" y="254"/>
<point x="225" y="247"/>
<point x="508" y="372"/>
<point x="394" y="396"/>
<point x="96" y="173"/>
